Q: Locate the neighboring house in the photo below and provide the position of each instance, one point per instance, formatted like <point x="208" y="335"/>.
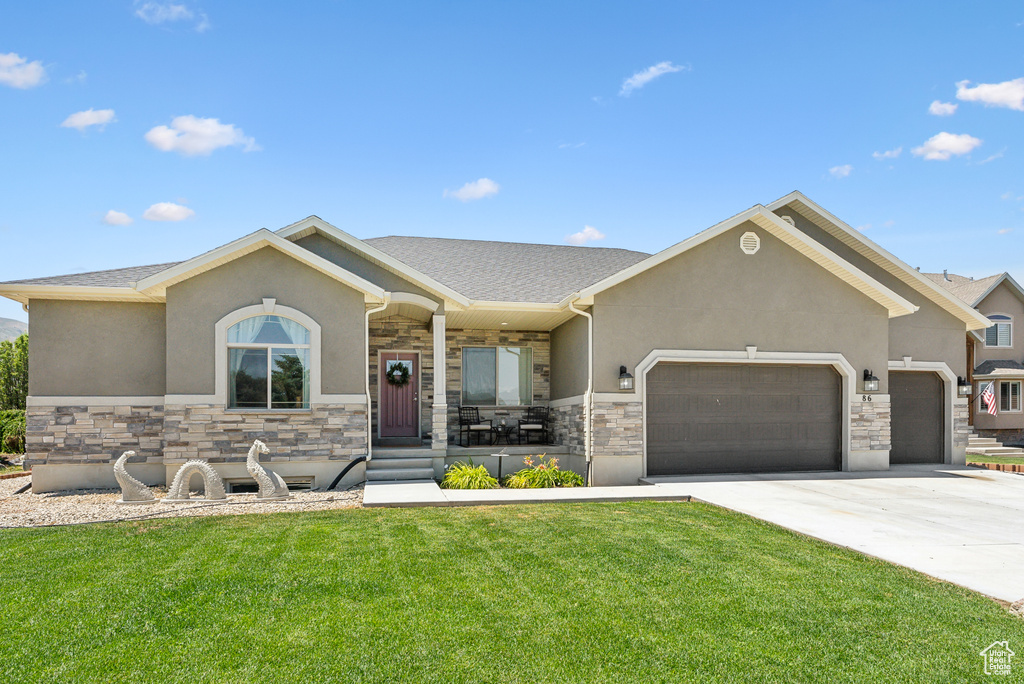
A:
<point x="994" y="355"/>
<point x="751" y="346"/>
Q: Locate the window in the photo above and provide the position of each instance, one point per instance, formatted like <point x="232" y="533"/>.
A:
<point x="268" y="364"/>
<point x="1009" y="396"/>
<point x="1000" y="333"/>
<point x="497" y="376"/>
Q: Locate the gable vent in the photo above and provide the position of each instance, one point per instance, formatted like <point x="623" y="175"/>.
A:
<point x="750" y="243"/>
<point x="789" y="220"/>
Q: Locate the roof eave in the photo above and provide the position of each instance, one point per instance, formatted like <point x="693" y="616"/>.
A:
<point x="938" y="294"/>
<point x="311" y="224"/>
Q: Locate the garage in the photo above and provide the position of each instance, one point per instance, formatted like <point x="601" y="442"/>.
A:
<point x="728" y="418"/>
<point x="917" y="424"/>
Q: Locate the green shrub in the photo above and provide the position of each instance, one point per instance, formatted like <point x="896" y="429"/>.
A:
<point x="12" y="432"/>
<point x="543" y="474"/>
<point x="467" y="476"/>
<point x="14" y="373"/>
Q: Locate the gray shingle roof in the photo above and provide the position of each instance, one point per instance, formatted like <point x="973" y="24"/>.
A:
<point x="116" y="277"/>
<point x="478" y="269"/>
<point x="987" y="367"/>
<point x="508" y="271"/>
<point x="962" y="287"/>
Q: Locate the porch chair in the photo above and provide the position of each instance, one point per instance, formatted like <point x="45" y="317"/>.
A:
<point x="536" y="421"/>
<point x="470" y="423"/>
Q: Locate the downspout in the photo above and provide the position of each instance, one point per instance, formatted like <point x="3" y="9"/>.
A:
<point x="588" y="397"/>
<point x="369" y="406"/>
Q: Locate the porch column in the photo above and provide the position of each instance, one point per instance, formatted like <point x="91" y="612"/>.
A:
<point x="439" y="412"/>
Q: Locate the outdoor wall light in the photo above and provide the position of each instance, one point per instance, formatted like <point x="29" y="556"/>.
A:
<point x="963" y="388"/>
<point x="870" y="381"/>
<point x="625" y="379"/>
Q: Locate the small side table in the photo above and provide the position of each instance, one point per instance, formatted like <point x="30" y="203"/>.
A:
<point x="503" y="432"/>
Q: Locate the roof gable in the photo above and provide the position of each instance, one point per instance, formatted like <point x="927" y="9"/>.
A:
<point x="156" y="285"/>
<point x="760" y="216"/>
<point x="878" y="255"/>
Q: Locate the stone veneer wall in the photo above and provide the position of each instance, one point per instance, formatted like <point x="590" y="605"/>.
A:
<point x="961" y="427"/>
<point x="1005" y="436"/>
<point x="327" y="432"/>
<point x="457" y="339"/>
<point x="567" y="427"/>
<point x="397" y="333"/>
<point x="618" y="429"/>
<point x="79" y="435"/>
<point x="869" y="426"/>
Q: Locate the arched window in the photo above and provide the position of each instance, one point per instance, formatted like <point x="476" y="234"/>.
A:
<point x="268" y="363"/>
<point x="1000" y="333"/>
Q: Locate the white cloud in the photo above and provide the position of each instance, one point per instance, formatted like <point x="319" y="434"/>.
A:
<point x="584" y="236"/>
<point x="997" y="155"/>
<point x="841" y="171"/>
<point x="866" y="226"/>
<point x="1008" y="94"/>
<point x="80" y="77"/>
<point x="889" y="224"/>
<point x="942" y="108"/>
<point x="942" y="146"/>
<point x="90" y="117"/>
<point x="474" y="190"/>
<point x="194" y="136"/>
<point x="642" y="78"/>
<point x="156" y="13"/>
<point x="1004" y="231"/>
<point x="17" y="72"/>
<point x="888" y="154"/>
<point x="118" y="218"/>
<point x="168" y="211"/>
<point x="161" y="12"/>
<point x="564" y="146"/>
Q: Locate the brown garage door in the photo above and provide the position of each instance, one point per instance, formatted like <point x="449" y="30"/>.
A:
<point x="917" y="424"/>
<point x="722" y="418"/>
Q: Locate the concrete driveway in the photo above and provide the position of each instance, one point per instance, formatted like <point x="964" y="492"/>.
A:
<point x="964" y="525"/>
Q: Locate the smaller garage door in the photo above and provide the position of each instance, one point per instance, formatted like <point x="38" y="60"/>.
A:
<point x="722" y="418"/>
<point x="917" y="420"/>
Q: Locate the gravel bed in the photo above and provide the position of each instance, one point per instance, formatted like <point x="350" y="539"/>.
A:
<point x="95" y="505"/>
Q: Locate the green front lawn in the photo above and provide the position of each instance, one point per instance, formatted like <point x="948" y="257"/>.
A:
<point x="978" y="458"/>
<point x="644" y="592"/>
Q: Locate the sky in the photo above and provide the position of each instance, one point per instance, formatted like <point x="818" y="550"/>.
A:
<point x="145" y="132"/>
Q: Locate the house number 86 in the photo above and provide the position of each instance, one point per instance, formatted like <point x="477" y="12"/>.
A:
<point x="866" y="397"/>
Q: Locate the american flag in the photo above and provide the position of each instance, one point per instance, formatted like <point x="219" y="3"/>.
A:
<point x="988" y="395"/>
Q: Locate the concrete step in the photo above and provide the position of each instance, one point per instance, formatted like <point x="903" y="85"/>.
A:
<point x="996" y="451"/>
<point x="982" y="440"/>
<point x="402" y="452"/>
<point x="378" y="463"/>
<point x="400" y="474"/>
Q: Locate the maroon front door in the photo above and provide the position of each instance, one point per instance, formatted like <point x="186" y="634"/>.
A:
<point x="398" y="409"/>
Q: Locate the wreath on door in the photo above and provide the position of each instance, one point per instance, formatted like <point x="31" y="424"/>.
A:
<point x="398" y="374"/>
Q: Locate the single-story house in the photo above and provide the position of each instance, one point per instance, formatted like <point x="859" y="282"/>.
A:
<point x="778" y="339"/>
<point x="994" y="355"/>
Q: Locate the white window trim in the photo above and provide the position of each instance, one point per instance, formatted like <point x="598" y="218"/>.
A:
<point x="1020" y="387"/>
<point x="1008" y="322"/>
<point x="268" y="307"/>
<point x="500" y="407"/>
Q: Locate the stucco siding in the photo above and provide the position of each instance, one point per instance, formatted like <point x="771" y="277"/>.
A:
<point x="1002" y="300"/>
<point x="715" y="297"/>
<point x="93" y="349"/>
<point x="194" y="306"/>
<point x="930" y="334"/>
<point x="569" y="358"/>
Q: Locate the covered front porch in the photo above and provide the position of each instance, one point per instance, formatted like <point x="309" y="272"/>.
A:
<point x="422" y="370"/>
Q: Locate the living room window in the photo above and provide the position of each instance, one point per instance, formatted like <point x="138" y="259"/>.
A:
<point x="268" y="364"/>
<point x="497" y="376"/>
<point x="1009" y="396"/>
<point x="1000" y="333"/>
